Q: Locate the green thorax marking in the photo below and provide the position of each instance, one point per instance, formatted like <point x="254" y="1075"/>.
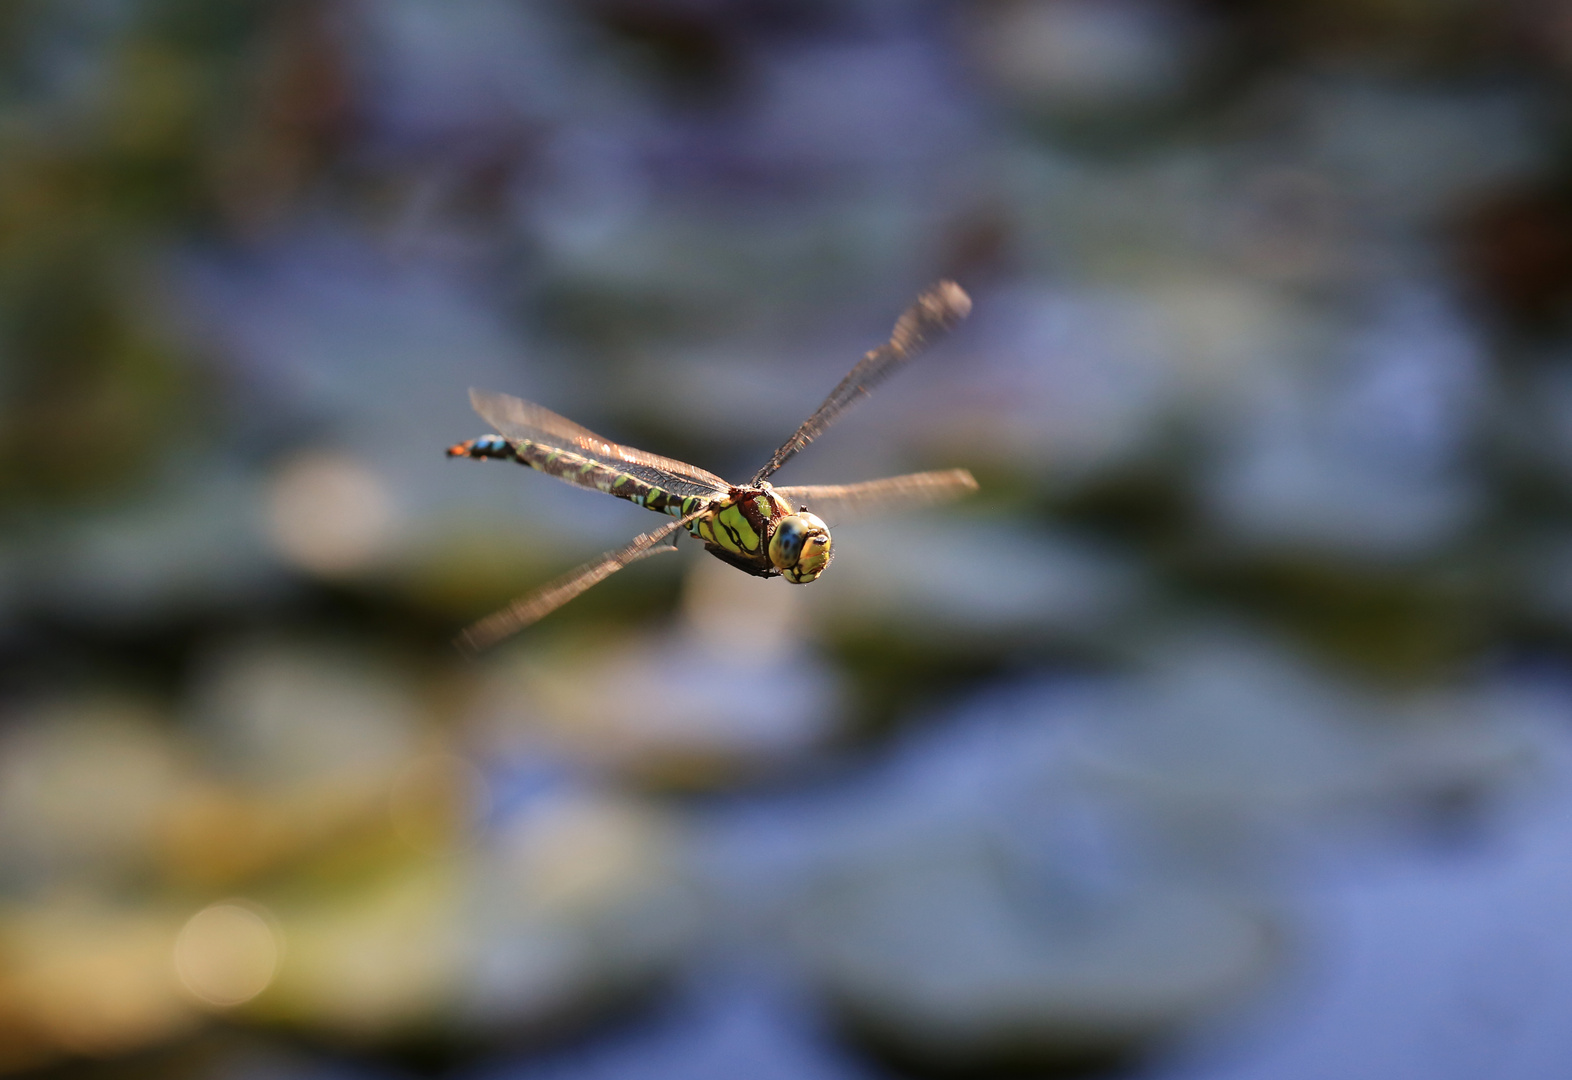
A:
<point x="742" y="523"/>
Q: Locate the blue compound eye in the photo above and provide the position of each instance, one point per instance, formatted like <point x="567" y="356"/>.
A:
<point x="800" y="548"/>
<point x="786" y="545"/>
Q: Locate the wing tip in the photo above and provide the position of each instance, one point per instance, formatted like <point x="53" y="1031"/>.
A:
<point x="486" y="403"/>
<point x="950" y="302"/>
<point x="937" y="310"/>
<point x="470" y="644"/>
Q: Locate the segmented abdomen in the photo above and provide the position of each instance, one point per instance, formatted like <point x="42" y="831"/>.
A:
<point x="579" y="470"/>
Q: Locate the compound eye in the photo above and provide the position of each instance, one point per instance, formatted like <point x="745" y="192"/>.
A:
<point x="786" y="544"/>
<point x="800" y="548"/>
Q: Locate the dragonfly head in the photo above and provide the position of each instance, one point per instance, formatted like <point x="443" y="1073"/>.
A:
<point x="800" y="548"/>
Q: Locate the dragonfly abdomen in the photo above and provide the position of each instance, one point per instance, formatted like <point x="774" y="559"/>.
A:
<point x="578" y="470"/>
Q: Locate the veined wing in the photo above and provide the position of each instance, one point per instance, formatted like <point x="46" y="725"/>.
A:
<point x="891" y="493"/>
<point x="527" y="609"/>
<point x="934" y="313"/>
<point x="515" y="418"/>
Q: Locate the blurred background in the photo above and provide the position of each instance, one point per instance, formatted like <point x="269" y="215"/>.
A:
<point x="1222" y="736"/>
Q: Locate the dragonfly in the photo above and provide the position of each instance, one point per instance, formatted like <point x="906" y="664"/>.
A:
<point x="761" y="529"/>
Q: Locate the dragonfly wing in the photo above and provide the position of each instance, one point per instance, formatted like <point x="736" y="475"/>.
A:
<point x="528" y="609"/>
<point x="891" y="493"/>
<point x="934" y="314"/>
<point x="515" y="418"/>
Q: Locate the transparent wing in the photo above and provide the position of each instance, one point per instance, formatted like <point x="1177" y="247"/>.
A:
<point x="874" y="496"/>
<point x="934" y="313"/>
<point x="515" y="418"/>
<point x="527" y="609"/>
